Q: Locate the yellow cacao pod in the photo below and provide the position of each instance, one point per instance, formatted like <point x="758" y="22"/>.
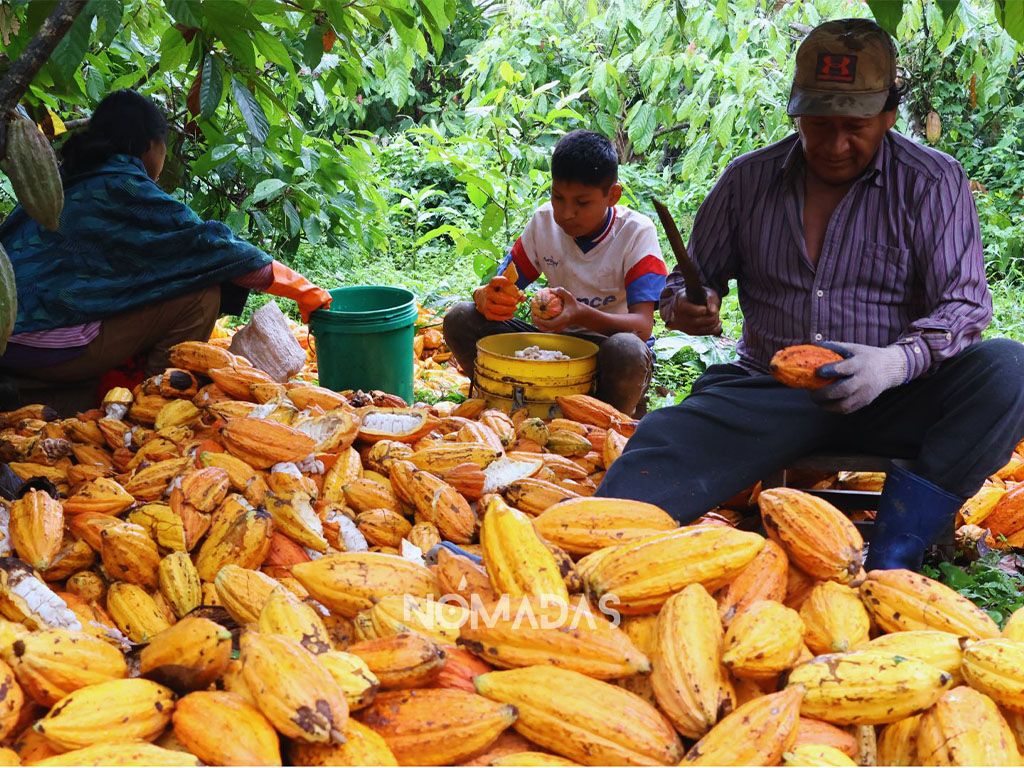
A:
<point x="994" y="667"/>
<point x="240" y="536"/>
<point x="897" y="742"/>
<point x="37" y="528"/>
<point x="439" y="726"/>
<point x="569" y="713"/>
<point x="441" y="622"/>
<point x="117" y="710"/>
<point x="51" y="663"/>
<point x="351" y="581"/>
<point x="940" y="649"/>
<point x="690" y="684"/>
<point x="816" y="754"/>
<point x="179" y="583"/>
<point x="358" y="683"/>
<point x="189" y="656"/>
<point x="900" y="600"/>
<point x="818" y="538"/>
<point x="835" y="619"/>
<point x="517" y="561"/>
<point x="757" y="733"/>
<point x="284" y="614"/>
<point x="135" y="612"/>
<point x="121" y="753"/>
<point x="867" y="687"/>
<point x="643" y="574"/>
<point x="243" y="592"/>
<point x="362" y="746"/>
<point x="406" y="660"/>
<point x="222" y="728"/>
<point x="129" y="554"/>
<point x="763" y="641"/>
<point x="533" y="630"/>
<point x="292" y="689"/>
<point x="965" y="727"/>
<point x="584" y="525"/>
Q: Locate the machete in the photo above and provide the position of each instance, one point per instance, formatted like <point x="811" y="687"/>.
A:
<point x="695" y="292"/>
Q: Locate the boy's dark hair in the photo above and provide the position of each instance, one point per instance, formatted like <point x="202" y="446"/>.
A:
<point x="585" y="157"/>
<point x="124" y="123"/>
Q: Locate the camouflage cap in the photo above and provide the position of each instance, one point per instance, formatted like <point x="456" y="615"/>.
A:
<point x="843" y="68"/>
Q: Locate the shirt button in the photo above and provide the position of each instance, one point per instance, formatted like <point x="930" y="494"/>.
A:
<point x="917" y="350"/>
<point x="820" y="293"/>
<point x="817" y="337"/>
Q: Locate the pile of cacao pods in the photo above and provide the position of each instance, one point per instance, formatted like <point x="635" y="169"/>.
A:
<point x="435" y="372"/>
<point x="217" y="568"/>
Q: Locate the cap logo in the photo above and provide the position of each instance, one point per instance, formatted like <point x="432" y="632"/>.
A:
<point x="836" y="68"/>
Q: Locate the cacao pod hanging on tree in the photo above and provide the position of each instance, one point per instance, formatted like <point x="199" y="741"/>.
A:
<point x="31" y="165"/>
<point x="8" y="299"/>
<point x="933" y="127"/>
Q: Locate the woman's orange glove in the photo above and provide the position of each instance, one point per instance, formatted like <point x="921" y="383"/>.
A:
<point x="290" y="284"/>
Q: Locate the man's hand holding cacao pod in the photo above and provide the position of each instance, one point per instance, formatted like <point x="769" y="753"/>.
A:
<point x="498" y="299"/>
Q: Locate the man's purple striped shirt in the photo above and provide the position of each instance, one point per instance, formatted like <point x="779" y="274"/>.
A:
<point x="901" y="262"/>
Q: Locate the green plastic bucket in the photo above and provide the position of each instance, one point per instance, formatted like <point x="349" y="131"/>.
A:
<point x="364" y="341"/>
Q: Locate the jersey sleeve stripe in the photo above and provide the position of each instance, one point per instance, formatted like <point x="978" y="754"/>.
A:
<point x="645" y="288"/>
<point x="527" y="272"/>
<point x="648" y="265"/>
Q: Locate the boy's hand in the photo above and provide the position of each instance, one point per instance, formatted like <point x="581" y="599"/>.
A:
<point x="570" y="314"/>
<point x="498" y="299"/>
<point x="694" y="319"/>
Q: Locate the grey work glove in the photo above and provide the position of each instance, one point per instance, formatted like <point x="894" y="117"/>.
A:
<point x="863" y="374"/>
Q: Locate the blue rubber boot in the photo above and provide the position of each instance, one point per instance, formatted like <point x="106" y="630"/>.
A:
<point x="912" y="514"/>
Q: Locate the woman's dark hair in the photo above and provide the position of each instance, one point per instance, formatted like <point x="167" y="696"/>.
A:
<point x="124" y="123"/>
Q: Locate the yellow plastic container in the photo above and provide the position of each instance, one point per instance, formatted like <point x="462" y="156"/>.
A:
<point x="507" y="382"/>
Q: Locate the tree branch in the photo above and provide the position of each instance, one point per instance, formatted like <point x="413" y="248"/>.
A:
<point x="670" y="129"/>
<point x="19" y="77"/>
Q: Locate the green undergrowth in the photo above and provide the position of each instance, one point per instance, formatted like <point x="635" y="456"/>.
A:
<point x="993" y="582"/>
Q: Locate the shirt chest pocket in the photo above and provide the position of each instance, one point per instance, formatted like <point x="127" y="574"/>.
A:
<point x="884" y="275"/>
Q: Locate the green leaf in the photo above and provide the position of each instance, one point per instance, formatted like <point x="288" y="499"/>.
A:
<point x="640" y="125"/>
<point x="173" y="50"/>
<point x="437" y="19"/>
<point x="238" y="43"/>
<point x="95" y="85"/>
<point x="1010" y="14"/>
<point x="313" y="47"/>
<point x="252" y="112"/>
<point x="291" y="218"/>
<point x="492" y="220"/>
<point x="70" y="51"/>
<point x="887" y="13"/>
<point x="273" y="50"/>
<point x="211" y="88"/>
<point x="185" y="12"/>
<point x="314" y="231"/>
<point x="267" y="190"/>
<point x="948" y="8"/>
<point x="109" y="13"/>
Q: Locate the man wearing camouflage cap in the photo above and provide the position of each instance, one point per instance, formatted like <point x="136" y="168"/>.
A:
<point x="847" y="235"/>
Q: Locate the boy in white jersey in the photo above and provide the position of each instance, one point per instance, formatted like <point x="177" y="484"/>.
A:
<point x="602" y="259"/>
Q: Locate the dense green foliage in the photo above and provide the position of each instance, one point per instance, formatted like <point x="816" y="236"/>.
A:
<point x="416" y="147"/>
